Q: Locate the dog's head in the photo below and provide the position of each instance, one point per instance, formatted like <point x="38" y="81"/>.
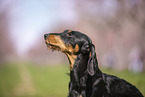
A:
<point x="72" y="43"/>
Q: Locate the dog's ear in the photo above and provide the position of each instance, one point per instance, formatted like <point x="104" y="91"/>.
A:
<point x="92" y="62"/>
<point x="86" y="48"/>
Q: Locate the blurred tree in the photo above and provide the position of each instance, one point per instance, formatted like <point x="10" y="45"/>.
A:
<point x="6" y="45"/>
<point x="115" y="23"/>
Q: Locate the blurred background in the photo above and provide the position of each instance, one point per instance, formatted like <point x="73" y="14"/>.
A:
<point x="27" y="69"/>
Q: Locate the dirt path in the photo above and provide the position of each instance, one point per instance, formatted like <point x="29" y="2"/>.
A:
<point x="25" y="87"/>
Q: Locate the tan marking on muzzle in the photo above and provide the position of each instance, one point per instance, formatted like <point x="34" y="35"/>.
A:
<point x="56" y="41"/>
<point x="65" y="48"/>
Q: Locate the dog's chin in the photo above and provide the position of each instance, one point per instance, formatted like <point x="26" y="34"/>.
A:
<point x="53" y="47"/>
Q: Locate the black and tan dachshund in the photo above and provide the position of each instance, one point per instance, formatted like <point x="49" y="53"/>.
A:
<point x="86" y="79"/>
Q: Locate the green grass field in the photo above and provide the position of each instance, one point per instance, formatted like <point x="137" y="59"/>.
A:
<point x="30" y="80"/>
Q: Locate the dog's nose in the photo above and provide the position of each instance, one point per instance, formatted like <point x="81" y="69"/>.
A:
<point x="46" y="36"/>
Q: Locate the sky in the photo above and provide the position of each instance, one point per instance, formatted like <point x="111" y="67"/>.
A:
<point x="29" y="18"/>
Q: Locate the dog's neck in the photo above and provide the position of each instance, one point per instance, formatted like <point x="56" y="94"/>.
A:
<point x="71" y="59"/>
<point x="78" y="68"/>
<point x="79" y="61"/>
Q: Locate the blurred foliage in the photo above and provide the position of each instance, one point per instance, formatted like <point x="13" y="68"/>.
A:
<point x="48" y="81"/>
<point x="6" y="44"/>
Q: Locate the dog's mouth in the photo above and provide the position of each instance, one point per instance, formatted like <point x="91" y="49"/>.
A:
<point x="53" y="47"/>
<point x="54" y="42"/>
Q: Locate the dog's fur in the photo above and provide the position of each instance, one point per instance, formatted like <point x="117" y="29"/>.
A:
<point x="86" y="79"/>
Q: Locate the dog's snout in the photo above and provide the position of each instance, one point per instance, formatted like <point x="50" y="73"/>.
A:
<point x="46" y="36"/>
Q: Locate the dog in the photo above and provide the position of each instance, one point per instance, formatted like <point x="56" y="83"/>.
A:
<point x="86" y="79"/>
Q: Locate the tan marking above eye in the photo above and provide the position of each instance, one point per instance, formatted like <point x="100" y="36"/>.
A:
<point x="69" y="31"/>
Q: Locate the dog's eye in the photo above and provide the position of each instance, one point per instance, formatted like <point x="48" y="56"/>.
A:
<point x="69" y="34"/>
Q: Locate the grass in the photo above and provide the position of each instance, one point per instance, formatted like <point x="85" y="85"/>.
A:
<point x="9" y="77"/>
<point x="48" y="81"/>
